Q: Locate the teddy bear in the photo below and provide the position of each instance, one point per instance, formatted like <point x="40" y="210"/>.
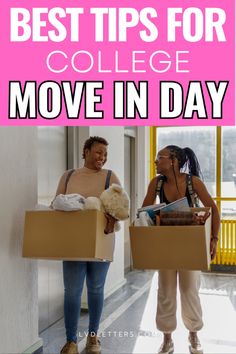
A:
<point x="113" y="201"/>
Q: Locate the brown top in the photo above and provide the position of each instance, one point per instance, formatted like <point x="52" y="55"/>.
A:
<point x="85" y="181"/>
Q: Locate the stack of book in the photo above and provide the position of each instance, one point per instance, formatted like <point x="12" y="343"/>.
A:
<point x="175" y="213"/>
<point x="154" y="210"/>
<point x="176" y="217"/>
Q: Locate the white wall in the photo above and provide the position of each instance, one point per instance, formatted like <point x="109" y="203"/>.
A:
<point x="18" y="276"/>
<point x="52" y="162"/>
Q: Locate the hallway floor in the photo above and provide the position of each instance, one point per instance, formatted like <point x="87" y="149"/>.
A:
<point x="128" y="321"/>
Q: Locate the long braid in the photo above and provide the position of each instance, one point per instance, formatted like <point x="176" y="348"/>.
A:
<point x="193" y="164"/>
<point x="175" y="179"/>
<point x="186" y="159"/>
<point x="176" y="152"/>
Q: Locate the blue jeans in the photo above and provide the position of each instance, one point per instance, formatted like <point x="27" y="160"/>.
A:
<point x="74" y="273"/>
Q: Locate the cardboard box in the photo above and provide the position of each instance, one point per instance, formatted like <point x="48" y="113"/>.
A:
<point x="75" y="235"/>
<point x="172" y="247"/>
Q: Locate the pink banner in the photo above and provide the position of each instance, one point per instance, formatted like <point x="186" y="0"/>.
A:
<point x="117" y="63"/>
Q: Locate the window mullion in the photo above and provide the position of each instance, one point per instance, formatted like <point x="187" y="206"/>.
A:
<point x="218" y="165"/>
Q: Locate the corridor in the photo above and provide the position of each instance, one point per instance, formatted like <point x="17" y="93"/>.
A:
<point x="128" y="321"/>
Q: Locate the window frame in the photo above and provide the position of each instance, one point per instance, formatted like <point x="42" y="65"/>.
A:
<point x="218" y="198"/>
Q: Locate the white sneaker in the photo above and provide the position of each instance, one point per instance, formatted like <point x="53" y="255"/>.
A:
<point x="166" y="347"/>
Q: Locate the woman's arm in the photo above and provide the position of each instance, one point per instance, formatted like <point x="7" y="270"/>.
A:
<point x="207" y="201"/>
<point x="61" y="188"/>
<point x="151" y="193"/>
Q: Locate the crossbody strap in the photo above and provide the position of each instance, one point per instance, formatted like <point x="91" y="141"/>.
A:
<point x="160" y="180"/>
<point x="192" y="193"/>
<point x="107" y="183"/>
<point x="67" y="178"/>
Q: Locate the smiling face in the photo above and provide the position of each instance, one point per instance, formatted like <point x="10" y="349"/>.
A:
<point x="163" y="161"/>
<point x="96" y="156"/>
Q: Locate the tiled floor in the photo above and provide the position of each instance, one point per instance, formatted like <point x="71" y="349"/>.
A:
<point x="128" y="321"/>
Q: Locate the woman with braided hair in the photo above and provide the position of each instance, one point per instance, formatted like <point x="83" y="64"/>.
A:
<point x="171" y="164"/>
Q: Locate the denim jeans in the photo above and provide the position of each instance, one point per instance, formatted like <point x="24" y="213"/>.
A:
<point x="74" y="273"/>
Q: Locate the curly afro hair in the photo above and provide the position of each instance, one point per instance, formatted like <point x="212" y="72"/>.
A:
<point x="93" y="140"/>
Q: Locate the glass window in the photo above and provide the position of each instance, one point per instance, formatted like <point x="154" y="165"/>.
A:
<point x="203" y="142"/>
<point x="228" y="210"/>
<point x="228" y="181"/>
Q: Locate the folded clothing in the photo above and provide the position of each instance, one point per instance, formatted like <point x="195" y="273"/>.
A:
<point x="68" y="202"/>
